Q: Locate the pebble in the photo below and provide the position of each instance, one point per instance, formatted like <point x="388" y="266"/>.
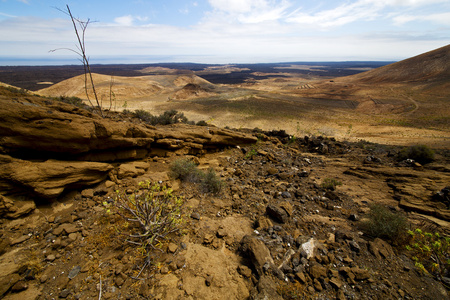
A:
<point x="74" y="272"/>
<point x="50" y="257"/>
<point x="64" y="293"/>
<point x="195" y="216"/>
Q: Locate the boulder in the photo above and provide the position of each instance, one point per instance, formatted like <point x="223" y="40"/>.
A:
<point x="257" y="251"/>
<point x="133" y="169"/>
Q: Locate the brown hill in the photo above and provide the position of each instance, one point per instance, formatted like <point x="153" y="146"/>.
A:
<point x="430" y="67"/>
<point x="123" y="87"/>
<point x="192" y="90"/>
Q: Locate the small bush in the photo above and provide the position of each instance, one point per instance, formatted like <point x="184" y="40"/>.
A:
<point x="420" y="153"/>
<point x="202" y="123"/>
<point x="73" y="100"/>
<point x="186" y="170"/>
<point x="14" y="90"/>
<point x="210" y="182"/>
<point x="170" y="117"/>
<point x="166" y="118"/>
<point x="143" y="115"/>
<point x="384" y="223"/>
<point x="330" y="184"/>
<point x="154" y="210"/>
<point x="430" y="252"/>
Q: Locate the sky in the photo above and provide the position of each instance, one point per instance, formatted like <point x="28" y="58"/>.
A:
<point x="223" y="31"/>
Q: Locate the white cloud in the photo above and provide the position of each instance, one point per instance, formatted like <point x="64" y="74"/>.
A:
<point x="248" y="30"/>
<point x="124" y="20"/>
<point x="440" y="18"/>
<point x="249" y="11"/>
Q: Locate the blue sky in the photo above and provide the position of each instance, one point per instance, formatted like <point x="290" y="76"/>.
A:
<point x="226" y="31"/>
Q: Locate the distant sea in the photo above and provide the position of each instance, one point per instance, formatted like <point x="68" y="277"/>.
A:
<point x="58" y="60"/>
<point x="73" y="60"/>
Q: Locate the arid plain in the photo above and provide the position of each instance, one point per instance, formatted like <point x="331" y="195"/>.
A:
<point x="402" y="103"/>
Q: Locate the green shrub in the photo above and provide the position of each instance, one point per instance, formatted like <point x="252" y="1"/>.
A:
<point x="14" y="90"/>
<point x="430" y="252"/>
<point x="202" y="123"/>
<point x="73" y="100"/>
<point x="166" y="118"/>
<point x="143" y="115"/>
<point x="170" y="117"/>
<point x="330" y="184"/>
<point x="210" y="182"/>
<point x="420" y="153"/>
<point x="186" y="170"/>
<point x="154" y="210"/>
<point x="384" y="223"/>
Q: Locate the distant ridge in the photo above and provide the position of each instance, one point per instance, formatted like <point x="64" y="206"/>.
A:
<point x="429" y="67"/>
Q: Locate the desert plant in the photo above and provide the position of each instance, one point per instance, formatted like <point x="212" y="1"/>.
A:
<point x="420" y="153"/>
<point x="143" y="115"/>
<point x="15" y="90"/>
<point x="171" y="117"/>
<point x="154" y="210"/>
<point x="72" y="100"/>
<point x="80" y="27"/>
<point x="202" y="123"/>
<point x="430" y="252"/>
<point x="383" y="223"/>
<point x="330" y="184"/>
<point x="186" y="170"/>
<point x="210" y="182"/>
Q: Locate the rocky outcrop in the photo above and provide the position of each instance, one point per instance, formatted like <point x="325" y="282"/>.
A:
<point x="48" y="146"/>
<point x="50" y="178"/>
<point x="41" y="128"/>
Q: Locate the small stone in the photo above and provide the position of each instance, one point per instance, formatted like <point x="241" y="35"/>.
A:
<point x="401" y="293"/>
<point x="336" y="283"/>
<point x="317" y="285"/>
<point x="222" y="233"/>
<point x="172" y="248"/>
<point x="74" y="272"/>
<point x="354" y="246"/>
<point x="164" y="270"/>
<point x="195" y="216"/>
<point x="353" y="217"/>
<point x="317" y="271"/>
<point x="387" y="282"/>
<point x="88" y="193"/>
<point x="64" y="293"/>
<point x="286" y="195"/>
<point x="348" y="260"/>
<point x="50" y="257"/>
<point x="301" y="277"/>
<point x="109" y="183"/>
<point x="208" y="238"/>
<point x="73" y="236"/>
<point x="360" y="274"/>
<point x="119" y="280"/>
<point x="341" y="295"/>
<point x="277" y="213"/>
<point x="19" y="286"/>
<point x="272" y="171"/>
<point x="245" y="271"/>
<point x="21" y="239"/>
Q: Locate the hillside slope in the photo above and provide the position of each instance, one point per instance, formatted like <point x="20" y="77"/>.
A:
<point x="428" y="67"/>
<point x="123" y="87"/>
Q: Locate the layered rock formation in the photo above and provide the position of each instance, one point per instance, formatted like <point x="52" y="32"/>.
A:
<point x="47" y="146"/>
